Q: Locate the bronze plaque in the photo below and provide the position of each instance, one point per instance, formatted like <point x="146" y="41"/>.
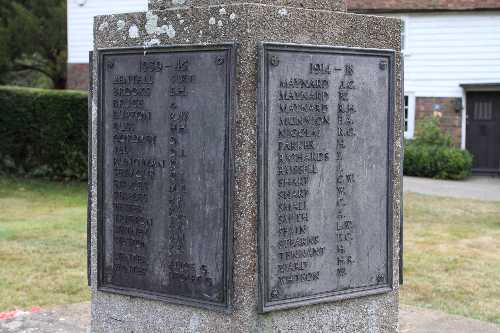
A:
<point x="325" y="155"/>
<point x="165" y="173"/>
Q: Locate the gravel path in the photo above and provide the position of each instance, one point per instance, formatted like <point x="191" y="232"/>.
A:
<point x="75" y="318"/>
<point x="418" y="320"/>
<point x="481" y="188"/>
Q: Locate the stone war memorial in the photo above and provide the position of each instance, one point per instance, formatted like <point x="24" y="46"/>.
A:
<point x="246" y="168"/>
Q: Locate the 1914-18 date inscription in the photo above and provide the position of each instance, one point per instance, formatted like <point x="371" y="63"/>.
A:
<point x="165" y="173"/>
<point x="324" y="174"/>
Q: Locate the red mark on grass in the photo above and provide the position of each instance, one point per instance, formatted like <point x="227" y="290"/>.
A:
<point x="12" y="314"/>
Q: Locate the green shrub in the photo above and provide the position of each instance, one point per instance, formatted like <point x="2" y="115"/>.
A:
<point x="44" y="133"/>
<point x="436" y="161"/>
<point x="428" y="132"/>
<point x="431" y="154"/>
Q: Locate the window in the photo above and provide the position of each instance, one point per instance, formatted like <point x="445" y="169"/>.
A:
<point x="483" y="110"/>
<point x="409" y="115"/>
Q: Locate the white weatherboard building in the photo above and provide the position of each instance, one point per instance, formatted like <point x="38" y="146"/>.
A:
<point x="446" y="54"/>
<point x="451" y="63"/>
<point x="80" y="32"/>
<point x="81" y="18"/>
<point x="452" y="68"/>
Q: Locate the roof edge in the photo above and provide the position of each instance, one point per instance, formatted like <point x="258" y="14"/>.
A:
<point x="420" y="10"/>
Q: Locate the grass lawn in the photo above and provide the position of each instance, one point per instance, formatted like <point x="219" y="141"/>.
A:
<point x="452" y="249"/>
<point x="42" y="243"/>
<point x="452" y="256"/>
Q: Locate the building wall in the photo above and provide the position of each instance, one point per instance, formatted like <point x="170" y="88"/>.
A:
<point x="78" y="76"/>
<point x="444" y="108"/>
<point x="81" y="19"/>
<point x="444" y="50"/>
<point x="80" y="33"/>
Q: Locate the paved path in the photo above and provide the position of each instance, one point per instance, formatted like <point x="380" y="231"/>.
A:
<point x="481" y="188"/>
<point x="75" y="318"/>
<point x="418" y="320"/>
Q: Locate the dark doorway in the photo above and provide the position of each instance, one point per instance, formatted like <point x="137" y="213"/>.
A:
<point x="483" y="131"/>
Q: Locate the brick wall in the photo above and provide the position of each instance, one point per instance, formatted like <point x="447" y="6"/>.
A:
<point x="445" y="109"/>
<point x="78" y="76"/>
<point x="419" y="5"/>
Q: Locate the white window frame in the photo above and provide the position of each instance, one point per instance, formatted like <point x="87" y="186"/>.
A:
<point x="410" y="131"/>
<point x="463" y="129"/>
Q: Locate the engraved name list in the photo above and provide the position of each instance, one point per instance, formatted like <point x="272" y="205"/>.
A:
<point x="165" y="168"/>
<point x="324" y="167"/>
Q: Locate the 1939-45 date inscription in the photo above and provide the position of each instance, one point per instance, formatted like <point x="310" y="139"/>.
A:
<point x="165" y="173"/>
<point x="324" y="171"/>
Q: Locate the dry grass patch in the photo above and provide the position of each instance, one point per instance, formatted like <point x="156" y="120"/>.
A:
<point x="452" y="255"/>
<point x="452" y="250"/>
<point x="42" y="243"/>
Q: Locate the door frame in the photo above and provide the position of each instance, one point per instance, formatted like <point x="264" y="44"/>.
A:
<point x="467" y="88"/>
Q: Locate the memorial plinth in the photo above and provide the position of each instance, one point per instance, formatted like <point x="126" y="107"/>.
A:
<point x="246" y="169"/>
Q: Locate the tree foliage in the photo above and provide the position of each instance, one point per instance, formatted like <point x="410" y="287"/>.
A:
<point x="33" y="39"/>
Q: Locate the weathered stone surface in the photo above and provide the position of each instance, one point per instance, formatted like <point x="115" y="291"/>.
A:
<point x="249" y="24"/>
<point x="336" y="5"/>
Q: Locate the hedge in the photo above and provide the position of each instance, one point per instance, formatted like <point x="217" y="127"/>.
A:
<point x="432" y="154"/>
<point x="44" y="133"/>
<point x="436" y="161"/>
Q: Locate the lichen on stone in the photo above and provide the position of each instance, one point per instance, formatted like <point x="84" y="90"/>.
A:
<point x="133" y="31"/>
<point x="104" y="25"/>
<point x="152" y="27"/>
<point x="152" y="42"/>
<point x="120" y="24"/>
<point x="283" y="12"/>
